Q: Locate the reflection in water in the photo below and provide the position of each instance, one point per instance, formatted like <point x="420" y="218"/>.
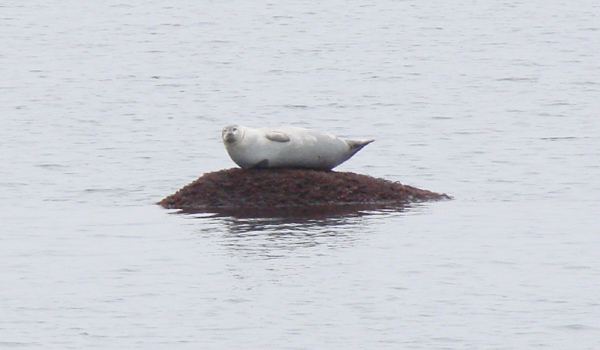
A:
<point x="299" y="213"/>
<point x="272" y="236"/>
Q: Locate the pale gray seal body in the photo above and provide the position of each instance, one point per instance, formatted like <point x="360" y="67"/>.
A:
<point x="287" y="147"/>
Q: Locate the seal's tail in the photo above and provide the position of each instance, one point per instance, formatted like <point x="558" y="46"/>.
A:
<point x="357" y="145"/>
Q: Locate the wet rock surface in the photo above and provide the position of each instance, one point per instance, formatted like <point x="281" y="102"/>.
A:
<point x="278" y="190"/>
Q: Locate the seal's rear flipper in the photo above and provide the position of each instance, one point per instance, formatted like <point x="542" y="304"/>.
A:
<point x="356" y="146"/>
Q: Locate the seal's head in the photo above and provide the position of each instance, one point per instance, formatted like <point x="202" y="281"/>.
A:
<point x="232" y="134"/>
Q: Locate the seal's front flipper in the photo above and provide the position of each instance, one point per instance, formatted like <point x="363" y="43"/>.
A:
<point x="277" y="136"/>
<point x="262" y="164"/>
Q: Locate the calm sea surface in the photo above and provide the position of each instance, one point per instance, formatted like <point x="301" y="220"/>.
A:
<point x="107" y="107"/>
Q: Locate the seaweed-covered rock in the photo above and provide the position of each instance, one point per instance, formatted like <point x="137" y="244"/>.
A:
<point x="271" y="188"/>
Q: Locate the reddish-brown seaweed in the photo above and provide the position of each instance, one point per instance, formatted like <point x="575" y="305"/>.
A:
<point x="268" y="188"/>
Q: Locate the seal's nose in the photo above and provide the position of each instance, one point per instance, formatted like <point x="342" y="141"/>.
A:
<point x="229" y="137"/>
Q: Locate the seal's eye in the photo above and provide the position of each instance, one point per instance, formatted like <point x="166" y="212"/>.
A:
<point x="234" y="129"/>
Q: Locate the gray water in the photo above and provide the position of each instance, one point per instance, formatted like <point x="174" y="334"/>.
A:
<point x="107" y="107"/>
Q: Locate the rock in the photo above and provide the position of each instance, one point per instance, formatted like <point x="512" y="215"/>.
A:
<point x="283" y="190"/>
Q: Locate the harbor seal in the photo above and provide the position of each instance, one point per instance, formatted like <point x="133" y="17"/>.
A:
<point x="287" y="147"/>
